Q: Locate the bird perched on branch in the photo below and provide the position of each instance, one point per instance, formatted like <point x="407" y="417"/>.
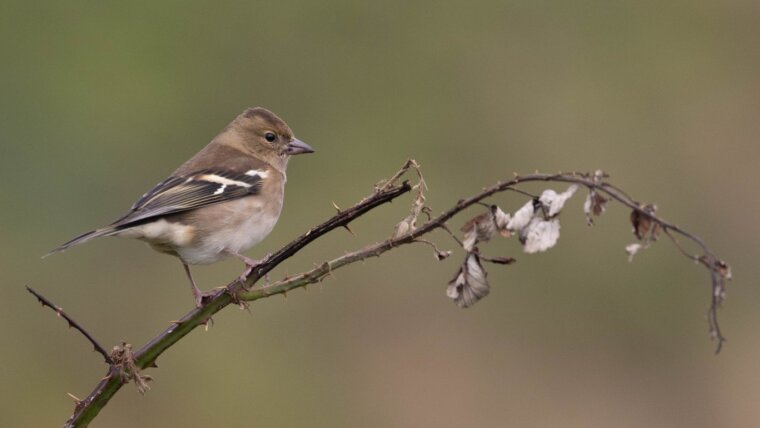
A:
<point x="221" y="202"/>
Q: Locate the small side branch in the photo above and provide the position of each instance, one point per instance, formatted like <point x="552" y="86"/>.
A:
<point x="72" y="324"/>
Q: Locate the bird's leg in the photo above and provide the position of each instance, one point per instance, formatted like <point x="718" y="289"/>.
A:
<point x="197" y="293"/>
<point x="249" y="264"/>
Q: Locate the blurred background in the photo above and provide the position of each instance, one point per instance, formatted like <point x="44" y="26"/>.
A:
<point x="99" y="101"/>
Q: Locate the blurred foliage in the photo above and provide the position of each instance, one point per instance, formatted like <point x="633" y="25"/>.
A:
<point x="100" y="100"/>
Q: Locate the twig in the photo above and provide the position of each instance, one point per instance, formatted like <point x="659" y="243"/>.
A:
<point x="72" y="324"/>
<point x="678" y="245"/>
<point x="453" y="236"/>
<point x="386" y="191"/>
<point x="708" y="259"/>
<point x="386" y="184"/>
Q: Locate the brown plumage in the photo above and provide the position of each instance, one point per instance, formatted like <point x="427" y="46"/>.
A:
<point x="221" y="202"/>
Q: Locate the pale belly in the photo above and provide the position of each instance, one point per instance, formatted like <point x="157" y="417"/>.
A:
<point x="237" y="226"/>
<point x="244" y="231"/>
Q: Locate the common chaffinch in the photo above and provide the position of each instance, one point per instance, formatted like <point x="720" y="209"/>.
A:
<point x="221" y="202"/>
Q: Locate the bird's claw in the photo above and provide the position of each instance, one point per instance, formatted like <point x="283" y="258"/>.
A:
<point x="202" y="297"/>
<point x="250" y="264"/>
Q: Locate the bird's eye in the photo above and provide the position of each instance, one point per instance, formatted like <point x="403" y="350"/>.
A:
<point x="270" y="136"/>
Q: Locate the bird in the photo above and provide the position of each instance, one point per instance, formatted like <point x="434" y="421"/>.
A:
<point x="220" y="203"/>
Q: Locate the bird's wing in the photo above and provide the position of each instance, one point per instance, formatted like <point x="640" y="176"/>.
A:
<point x="189" y="192"/>
<point x="180" y="193"/>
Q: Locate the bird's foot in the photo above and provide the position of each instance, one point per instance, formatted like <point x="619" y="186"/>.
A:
<point x="250" y="264"/>
<point x="202" y="297"/>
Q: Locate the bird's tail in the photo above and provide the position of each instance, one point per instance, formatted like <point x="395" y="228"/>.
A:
<point x="106" y="231"/>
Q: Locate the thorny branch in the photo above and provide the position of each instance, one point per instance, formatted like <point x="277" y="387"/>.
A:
<point x="536" y="225"/>
<point x="88" y="408"/>
<point x="72" y="324"/>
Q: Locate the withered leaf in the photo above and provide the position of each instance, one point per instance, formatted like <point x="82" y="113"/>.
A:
<point x="632" y="249"/>
<point x="469" y="284"/>
<point x="598" y="204"/>
<point x="483" y="227"/>
<point x="540" y="235"/>
<point x="594" y="206"/>
<point x="478" y="229"/>
<point x="553" y="201"/>
<point x="642" y="222"/>
<point x="500" y="260"/>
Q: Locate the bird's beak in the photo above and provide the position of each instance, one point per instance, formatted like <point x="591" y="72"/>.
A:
<point x="296" y="147"/>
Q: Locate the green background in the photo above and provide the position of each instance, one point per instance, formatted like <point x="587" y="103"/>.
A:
<point x="100" y="101"/>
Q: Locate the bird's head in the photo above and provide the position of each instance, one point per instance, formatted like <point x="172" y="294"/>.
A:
<point x="268" y="137"/>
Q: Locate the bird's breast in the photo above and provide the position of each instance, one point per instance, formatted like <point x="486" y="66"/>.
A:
<point x="248" y="222"/>
<point x="230" y="227"/>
